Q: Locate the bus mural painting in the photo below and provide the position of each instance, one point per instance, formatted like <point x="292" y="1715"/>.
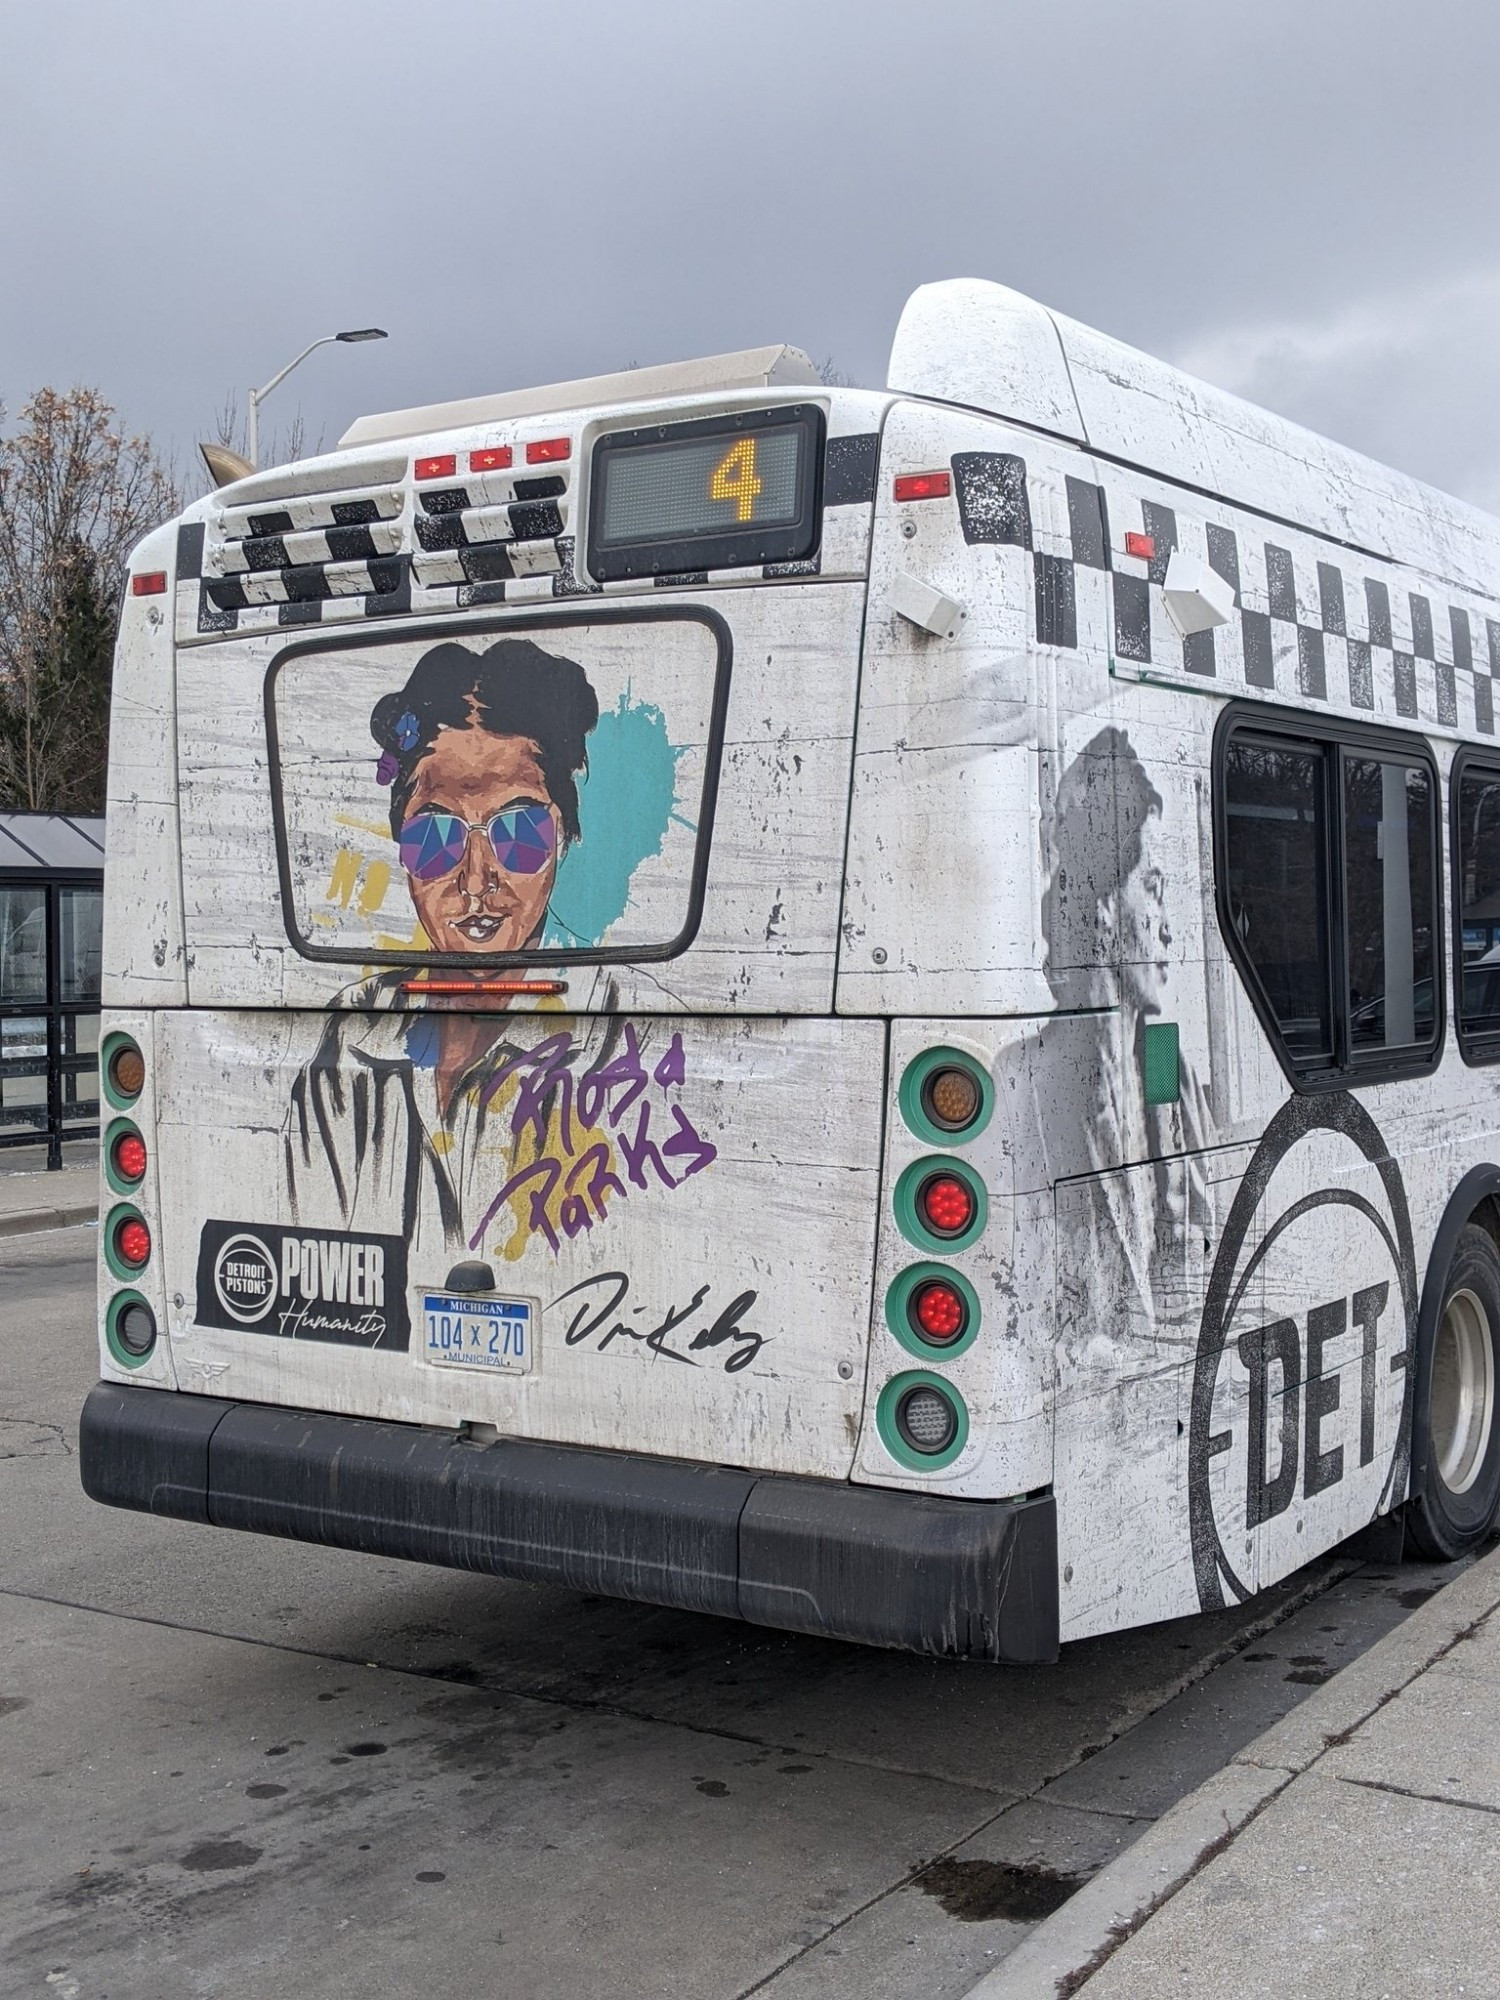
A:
<point x="925" y="951"/>
<point x="1106" y="917"/>
<point x="498" y="787"/>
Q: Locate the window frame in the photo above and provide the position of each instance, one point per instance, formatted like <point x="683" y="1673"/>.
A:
<point x="1480" y="1049"/>
<point x="1333" y="737"/>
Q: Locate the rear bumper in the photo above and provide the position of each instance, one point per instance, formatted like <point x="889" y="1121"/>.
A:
<point x="965" y="1578"/>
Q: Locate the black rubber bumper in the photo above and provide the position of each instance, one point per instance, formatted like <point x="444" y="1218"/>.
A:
<point x="973" y="1579"/>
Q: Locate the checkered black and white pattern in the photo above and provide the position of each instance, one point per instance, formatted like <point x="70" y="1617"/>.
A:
<point x="490" y="539"/>
<point x="1313" y="622"/>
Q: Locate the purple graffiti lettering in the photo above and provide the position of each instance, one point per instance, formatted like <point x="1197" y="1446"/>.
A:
<point x="642" y="1149"/>
<point x="563" y="1114"/>
<point x="687" y="1142"/>
<point x="601" y="1176"/>
<point x="549" y="1072"/>
<point x="672" y="1068"/>
<point x="626" y="1069"/>
<point x="547" y="1170"/>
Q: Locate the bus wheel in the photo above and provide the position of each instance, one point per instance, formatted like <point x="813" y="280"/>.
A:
<point x="1456" y="1473"/>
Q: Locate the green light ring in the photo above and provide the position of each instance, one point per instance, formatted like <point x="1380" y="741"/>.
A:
<point x="117" y="1128"/>
<point x="915" y="1076"/>
<point x="890" y="1436"/>
<point x="897" y="1311"/>
<point x="904" y="1202"/>
<point x="112" y="1042"/>
<point x="125" y="1211"/>
<point x="118" y="1350"/>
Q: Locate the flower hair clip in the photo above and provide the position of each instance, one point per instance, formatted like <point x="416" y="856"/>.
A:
<point x="408" y="731"/>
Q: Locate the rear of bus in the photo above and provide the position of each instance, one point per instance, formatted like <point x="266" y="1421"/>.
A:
<point x="490" y="1178"/>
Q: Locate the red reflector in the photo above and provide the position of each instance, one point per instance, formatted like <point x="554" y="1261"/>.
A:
<point x="133" y="1242"/>
<point x="484" y="986"/>
<point x="939" y="1310"/>
<point x="923" y="486"/>
<point x="494" y="458"/>
<point x="130" y="1156"/>
<point x="1143" y="546"/>
<point x="437" y="468"/>
<point x="150" y="583"/>
<point x="947" y="1204"/>
<point x="547" y="450"/>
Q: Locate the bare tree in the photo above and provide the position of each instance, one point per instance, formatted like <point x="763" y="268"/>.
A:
<point x="75" y="496"/>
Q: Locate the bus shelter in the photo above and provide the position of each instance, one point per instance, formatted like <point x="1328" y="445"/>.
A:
<point x="51" y="911"/>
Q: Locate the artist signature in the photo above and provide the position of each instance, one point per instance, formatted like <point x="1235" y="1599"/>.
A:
<point x="600" y="1299"/>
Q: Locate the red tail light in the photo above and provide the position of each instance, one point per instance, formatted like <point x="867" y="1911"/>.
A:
<point x="494" y="458"/>
<point x="947" y="1204"/>
<point x="133" y="1242"/>
<point x="437" y="468"/>
<point x="939" y="1312"/>
<point x="922" y="486"/>
<point x="545" y="451"/>
<point x="148" y="583"/>
<point x="130" y="1156"/>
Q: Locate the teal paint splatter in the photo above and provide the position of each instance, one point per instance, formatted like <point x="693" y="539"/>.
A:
<point x="625" y="805"/>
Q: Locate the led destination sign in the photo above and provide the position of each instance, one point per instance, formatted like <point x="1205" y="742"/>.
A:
<point x="723" y="493"/>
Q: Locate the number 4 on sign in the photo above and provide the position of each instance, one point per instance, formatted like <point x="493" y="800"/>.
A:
<point x="734" y="479"/>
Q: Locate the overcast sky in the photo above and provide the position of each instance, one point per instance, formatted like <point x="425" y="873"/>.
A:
<point x="1296" y="198"/>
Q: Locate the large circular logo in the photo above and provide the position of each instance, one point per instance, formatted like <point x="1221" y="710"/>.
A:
<point x="245" y="1279"/>
<point x="1300" y="1428"/>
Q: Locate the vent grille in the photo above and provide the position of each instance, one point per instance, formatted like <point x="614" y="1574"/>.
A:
<point x="495" y="526"/>
<point x="300" y="548"/>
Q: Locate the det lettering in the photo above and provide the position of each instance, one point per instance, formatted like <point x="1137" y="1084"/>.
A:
<point x="304" y="1284"/>
<point x="1302" y="1420"/>
<point x="1305" y="1399"/>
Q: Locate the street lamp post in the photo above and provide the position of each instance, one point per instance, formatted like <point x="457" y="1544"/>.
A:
<point x="257" y="396"/>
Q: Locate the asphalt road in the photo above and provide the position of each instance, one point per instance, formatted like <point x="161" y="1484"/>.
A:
<point x="235" y="1766"/>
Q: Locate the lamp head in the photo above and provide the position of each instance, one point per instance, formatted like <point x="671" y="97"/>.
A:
<point x="363" y="333"/>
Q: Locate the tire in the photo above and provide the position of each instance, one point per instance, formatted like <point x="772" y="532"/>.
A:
<point x="1456" y="1460"/>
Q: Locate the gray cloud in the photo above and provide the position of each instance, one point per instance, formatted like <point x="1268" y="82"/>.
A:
<point x="1296" y="199"/>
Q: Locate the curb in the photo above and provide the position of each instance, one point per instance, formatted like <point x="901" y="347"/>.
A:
<point x="32" y="1219"/>
<point x="1057" y="1959"/>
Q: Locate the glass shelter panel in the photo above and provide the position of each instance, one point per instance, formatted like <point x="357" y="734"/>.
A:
<point x="23" y="943"/>
<point x="80" y="942"/>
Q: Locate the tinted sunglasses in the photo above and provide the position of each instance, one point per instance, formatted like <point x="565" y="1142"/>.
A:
<point x="522" y="839"/>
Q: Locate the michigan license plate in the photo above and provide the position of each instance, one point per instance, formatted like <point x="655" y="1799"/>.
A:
<point x="494" y="1334"/>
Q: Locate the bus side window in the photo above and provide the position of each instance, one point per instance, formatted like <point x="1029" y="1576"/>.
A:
<point x="1329" y="867"/>
<point x="1388" y="902"/>
<point x="1276" y="845"/>
<point x="1476" y="893"/>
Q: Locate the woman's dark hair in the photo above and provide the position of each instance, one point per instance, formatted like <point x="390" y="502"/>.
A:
<point x="1104" y="799"/>
<point x="513" y="688"/>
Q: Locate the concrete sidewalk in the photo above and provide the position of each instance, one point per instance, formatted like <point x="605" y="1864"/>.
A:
<point x="31" y="1201"/>
<point x="1354" y="1849"/>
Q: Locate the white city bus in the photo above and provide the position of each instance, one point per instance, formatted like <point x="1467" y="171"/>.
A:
<point x="867" y="1011"/>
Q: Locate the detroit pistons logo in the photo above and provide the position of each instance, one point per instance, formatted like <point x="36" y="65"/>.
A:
<point x="245" y="1278"/>
<point x="1302" y="1389"/>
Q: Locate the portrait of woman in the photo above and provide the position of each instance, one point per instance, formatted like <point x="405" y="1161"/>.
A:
<point x="482" y="753"/>
<point x="1109" y="944"/>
